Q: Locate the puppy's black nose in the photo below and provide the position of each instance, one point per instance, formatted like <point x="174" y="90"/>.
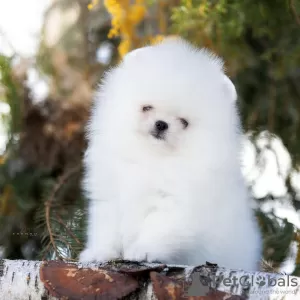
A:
<point x="161" y="125"/>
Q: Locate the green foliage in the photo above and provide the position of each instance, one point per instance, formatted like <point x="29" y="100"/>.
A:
<point x="21" y="190"/>
<point x="12" y="96"/>
<point x="36" y="204"/>
<point x="63" y="223"/>
<point x="261" y="46"/>
<point x="277" y="234"/>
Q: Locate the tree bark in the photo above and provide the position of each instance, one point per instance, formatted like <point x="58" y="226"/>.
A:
<point x="42" y="280"/>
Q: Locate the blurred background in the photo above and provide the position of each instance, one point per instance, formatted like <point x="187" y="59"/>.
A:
<point x="54" y="52"/>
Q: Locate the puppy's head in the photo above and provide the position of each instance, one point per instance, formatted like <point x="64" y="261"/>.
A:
<point x="170" y="96"/>
<point x="161" y="124"/>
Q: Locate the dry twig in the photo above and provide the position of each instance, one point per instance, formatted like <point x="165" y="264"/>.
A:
<point x="49" y="202"/>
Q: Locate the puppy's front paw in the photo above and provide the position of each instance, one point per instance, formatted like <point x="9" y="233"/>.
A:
<point x="96" y="255"/>
<point x="143" y="252"/>
<point x="135" y="253"/>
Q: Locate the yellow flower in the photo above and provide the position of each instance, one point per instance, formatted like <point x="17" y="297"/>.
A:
<point x="125" y="17"/>
<point x="92" y="4"/>
<point x="157" y="39"/>
<point x="124" y="47"/>
<point x="137" y="13"/>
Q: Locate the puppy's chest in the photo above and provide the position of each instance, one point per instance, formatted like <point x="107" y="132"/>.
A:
<point x="143" y="197"/>
<point x="148" y="186"/>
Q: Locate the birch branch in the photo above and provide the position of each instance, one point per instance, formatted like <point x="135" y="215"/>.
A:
<point x="42" y="280"/>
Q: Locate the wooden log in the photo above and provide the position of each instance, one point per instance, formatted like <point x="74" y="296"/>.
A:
<point x="42" y="280"/>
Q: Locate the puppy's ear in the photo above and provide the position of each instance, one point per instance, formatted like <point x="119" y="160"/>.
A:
<point x="230" y="89"/>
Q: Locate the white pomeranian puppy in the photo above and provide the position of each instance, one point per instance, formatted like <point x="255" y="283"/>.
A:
<point x="162" y="167"/>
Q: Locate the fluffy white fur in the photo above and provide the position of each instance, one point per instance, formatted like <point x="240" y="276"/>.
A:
<point x="181" y="198"/>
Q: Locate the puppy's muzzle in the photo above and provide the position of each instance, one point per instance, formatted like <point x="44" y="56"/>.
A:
<point x="160" y="129"/>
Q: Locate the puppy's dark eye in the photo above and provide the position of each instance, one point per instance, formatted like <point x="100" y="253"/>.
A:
<point x="147" y="108"/>
<point x="184" y="122"/>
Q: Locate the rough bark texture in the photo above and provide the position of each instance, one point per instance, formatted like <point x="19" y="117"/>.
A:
<point x="42" y="280"/>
